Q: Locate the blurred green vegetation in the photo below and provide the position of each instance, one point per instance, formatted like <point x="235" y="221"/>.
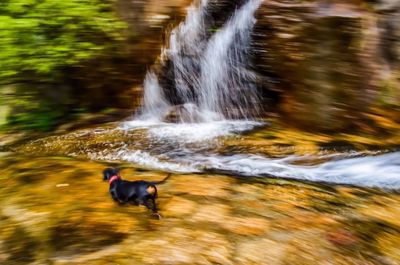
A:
<point x="42" y="45"/>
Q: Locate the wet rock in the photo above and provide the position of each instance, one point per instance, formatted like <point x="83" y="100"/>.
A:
<point x="219" y="11"/>
<point x="386" y="210"/>
<point x="303" y="220"/>
<point x="389" y="245"/>
<point x="94" y="258"/>
<point x="209" y="186"/>
<point x="314" y="250"/>
<point x="324" y="61"/>
<point x="260" y="251"/>
<point x="389" y="19"/>
<point x="215" y="213"/>
<point x="20" y="247"/>
<point x="342" y="237"/>
<point x="246" y="225"/>
<point x="222" y="215"/>
<point x="70" y="237"/>
<point x="178" y="207"/>
<point x="184" y="113"/>
<point x="385" y="5"/>
<point x="208" y="220"/>
<point x="184" y="246"/>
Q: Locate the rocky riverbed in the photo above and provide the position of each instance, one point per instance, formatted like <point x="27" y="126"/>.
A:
<point x="57" y="210"/>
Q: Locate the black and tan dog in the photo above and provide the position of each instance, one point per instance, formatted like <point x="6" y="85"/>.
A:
<point x="139" y="192"/>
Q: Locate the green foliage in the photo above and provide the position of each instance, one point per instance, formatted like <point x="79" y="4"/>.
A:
<point x="31" y="114"/>
<point x="42" y="119"/>
<point x="40" y="37"/>
<point x="39" y="41"/>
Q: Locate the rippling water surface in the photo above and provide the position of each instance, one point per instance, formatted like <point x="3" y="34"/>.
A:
<point x="190" y="148"/>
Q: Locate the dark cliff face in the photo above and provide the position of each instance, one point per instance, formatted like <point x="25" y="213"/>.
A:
<point x="325" y="64"/>
<point x="110" y="80"/>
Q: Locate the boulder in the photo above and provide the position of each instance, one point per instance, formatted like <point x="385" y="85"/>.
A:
<point x="184" y="113"/>
<point x="324" y="62"/>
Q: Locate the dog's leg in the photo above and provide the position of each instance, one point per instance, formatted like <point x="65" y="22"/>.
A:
<point x="151" y="204"/>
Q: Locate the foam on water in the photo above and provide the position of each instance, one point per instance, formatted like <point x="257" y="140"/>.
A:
<point x="373" y="171"/>
<point x="145" y="159"/>
<point x="192" y="132"/>
<point x="381" y="171"/>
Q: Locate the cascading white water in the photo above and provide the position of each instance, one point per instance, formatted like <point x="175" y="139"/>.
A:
<point x="186" y="45"/>
<point x="226" y="85"/>
<point x="211" y="77"/>
<point x="210" y="74"/>
<point x="154" y="99"/>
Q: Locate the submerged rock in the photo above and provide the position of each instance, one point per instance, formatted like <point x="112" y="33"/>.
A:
<point x="184" y="113"/>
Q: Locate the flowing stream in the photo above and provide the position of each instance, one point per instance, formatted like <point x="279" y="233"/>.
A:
<point x="213" y="80"/>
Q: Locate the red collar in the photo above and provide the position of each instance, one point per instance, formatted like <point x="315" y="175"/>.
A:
<point x="113" y="178"/>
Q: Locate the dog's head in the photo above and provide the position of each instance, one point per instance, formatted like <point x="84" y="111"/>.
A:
<point x="109" y="172"/>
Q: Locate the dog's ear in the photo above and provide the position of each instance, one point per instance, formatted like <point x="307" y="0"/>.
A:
<point x="105" y="174"/>
<point x="109" y="172"/>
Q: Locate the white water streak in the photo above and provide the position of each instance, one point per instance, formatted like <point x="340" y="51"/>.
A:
<point x="187" y="43"/>
<point x="226" y="84"/>
<point x="373" y="171"/>
<point x="382" y="171"/>
<point x="154" y="99"/>
<point x="210" y="73"/>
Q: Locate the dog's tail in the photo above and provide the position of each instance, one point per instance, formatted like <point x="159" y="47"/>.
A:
<point x="161" y="181"/>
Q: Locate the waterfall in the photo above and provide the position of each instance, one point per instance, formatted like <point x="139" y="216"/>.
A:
<point x="209" y="68"/>
<point x="206" y="79"/>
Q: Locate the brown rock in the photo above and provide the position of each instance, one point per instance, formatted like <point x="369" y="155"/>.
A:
<point x="184" y="113"/>
<point x="211" y="186"/>
<point x="177" y="207"/>
<point x="215" y="213"/>
<point x="246" y="225"/>
<point x="327" y="59"/>
<point x="184" y="246"/>
<point x="342" y="238"/>
<point x="260" y="251"/>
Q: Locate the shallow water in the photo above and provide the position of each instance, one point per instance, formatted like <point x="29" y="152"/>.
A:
<point x="207" y="147"/>
<point x="280" y="204"/>
<point x="57" y="210"/>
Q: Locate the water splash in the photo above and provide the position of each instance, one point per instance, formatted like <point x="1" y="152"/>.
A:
<point x="211" y="75"/>
<point x="154" y="101"/>
<point x="228" y="85"/>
